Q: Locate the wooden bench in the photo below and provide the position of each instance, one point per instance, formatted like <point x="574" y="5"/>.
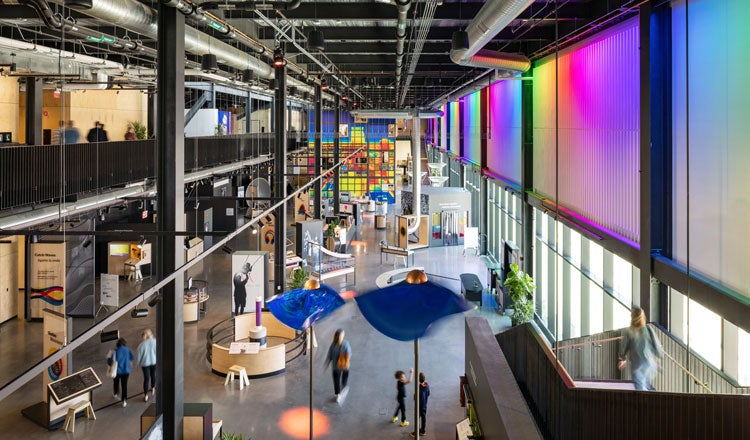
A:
<point x="404" y="253"/>
<point x="70" y="419"/>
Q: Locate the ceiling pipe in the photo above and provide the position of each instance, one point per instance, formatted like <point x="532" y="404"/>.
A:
<point x="403" y="9"/>
<point x="424" y="29"/>
<point x="251" y="5"/>
<point x="59" y="23"/>
<point x="396" y="114"/>
<point x="491" y="19"/>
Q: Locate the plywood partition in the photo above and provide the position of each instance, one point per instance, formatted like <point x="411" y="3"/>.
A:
<point x="402" y="239"/>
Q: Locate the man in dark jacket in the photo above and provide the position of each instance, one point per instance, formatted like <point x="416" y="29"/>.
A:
<point x="97" y="134"/>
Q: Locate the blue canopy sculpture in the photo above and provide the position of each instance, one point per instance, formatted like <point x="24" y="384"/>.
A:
<point x="406" y="310"/>
<point x="300" y="308"/>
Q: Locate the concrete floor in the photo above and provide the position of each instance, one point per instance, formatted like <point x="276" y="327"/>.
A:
<point x="256" y="411"/>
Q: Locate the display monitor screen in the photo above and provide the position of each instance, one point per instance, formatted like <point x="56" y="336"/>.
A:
<point x="119" y="249"/>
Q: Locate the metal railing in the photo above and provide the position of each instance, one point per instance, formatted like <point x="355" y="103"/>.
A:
<point x="37" y="174"/>
<point x="223" y="332"/>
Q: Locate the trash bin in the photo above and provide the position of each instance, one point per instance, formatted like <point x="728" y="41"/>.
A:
<point x="379" y="221"/>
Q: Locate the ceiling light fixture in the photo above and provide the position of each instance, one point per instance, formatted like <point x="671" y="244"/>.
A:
<point x="209" y="63"/>
<point x="315" y="40"/>
<point x="278" y="57"/>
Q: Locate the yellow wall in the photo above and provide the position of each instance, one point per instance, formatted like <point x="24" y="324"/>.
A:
<point x="9" y="105"/>
<point x="112" y="109"/>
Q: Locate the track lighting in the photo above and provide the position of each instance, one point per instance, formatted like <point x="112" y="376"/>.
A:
<point x="227" y="249"/>
<point x="315" y="40"/>
<point x="111" y="335"/>
<point x="154" y="300"/>
<point x="323" y="83"/>
<point x="209" y="63"/>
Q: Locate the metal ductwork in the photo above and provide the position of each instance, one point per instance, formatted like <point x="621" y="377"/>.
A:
<point x="403" y="9"/>
<point x="137" y="17"/>
<point x="491" y="19"/>
<point x="396" y="114"/>
<point x="252" y="5"/>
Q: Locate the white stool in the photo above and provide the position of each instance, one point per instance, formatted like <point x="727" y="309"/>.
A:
<point x="70" y="419"/>
<point x="241" y="374"/>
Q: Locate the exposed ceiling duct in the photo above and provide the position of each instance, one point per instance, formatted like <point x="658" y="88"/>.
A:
<point x="403" y="9"/>
<point x="424" y="28"/>
<point x="253" y="4"/>
<point x="491" y="19"/>
<point x="395" y="114"/>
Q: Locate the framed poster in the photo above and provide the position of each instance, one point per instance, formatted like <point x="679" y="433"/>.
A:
<point x="249" y="279"/>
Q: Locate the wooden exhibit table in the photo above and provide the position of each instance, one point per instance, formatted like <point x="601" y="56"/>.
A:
<point x="194" y="301"/>
<point x="268" y="361"/>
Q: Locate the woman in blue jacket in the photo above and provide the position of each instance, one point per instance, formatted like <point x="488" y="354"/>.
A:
<point x="145" y="356"/>
<point x="124" y="358"/>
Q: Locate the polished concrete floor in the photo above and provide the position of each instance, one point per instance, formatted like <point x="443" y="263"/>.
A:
<point x="258" y="411"/>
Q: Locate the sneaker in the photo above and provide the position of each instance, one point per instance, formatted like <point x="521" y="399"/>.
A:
<point x="404" y="423"/>
<point x="338" y="398"/>
<point x="412" y="434"/>
<point x="115" y="395"/>
<point x="153" y="391"/>
<point x="124" y="403"/>
<point x="145" y="397"/>
<point x="394" y="420"/>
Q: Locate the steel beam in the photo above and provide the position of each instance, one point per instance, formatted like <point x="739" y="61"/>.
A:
<point x="318" y="161"/>
<point x="279" y="180"/>
<point x="170" y="160"/>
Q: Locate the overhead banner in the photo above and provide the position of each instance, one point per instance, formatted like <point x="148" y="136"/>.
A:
<point x="47" y="286"/>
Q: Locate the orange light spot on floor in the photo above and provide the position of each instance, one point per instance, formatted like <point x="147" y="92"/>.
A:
<point x="357" y="243"/>
<point x="296" y="423"/>
<point x="348" y="294"/>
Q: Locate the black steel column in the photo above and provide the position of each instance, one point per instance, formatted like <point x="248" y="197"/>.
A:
<point x="661" y="146"/>
<point x="336" y="152"/>
<point x="34" y="111"/>
<point x="527" y="175"/>
<point x="170" y="164"/>
<point x="279" y="180"/>
<point x="644" y="253"/>
<point x="318" y="160"/>
<point x="151" y="112"/>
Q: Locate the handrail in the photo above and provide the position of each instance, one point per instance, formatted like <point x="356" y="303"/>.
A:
<point x="695" y="379"/>
<point x="300" y="339"/>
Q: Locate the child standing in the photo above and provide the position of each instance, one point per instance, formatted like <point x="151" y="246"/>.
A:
<point x="424" y="394"/>
<point x="401" y="383"/>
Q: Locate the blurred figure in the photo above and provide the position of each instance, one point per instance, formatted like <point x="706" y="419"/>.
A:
<point x="130" y="133"/>
<point x="95" y="133"/>
<point x="339" y="354"/>
<point x="641" y="347"/>
<point x="103" y="137"/>
<point x="57" y="134"/>
<point x="124" y="358"/>
<point x="424" y="394"/>
<point x="145" y="356"/>
<point x="401" y="382"/>
<point x="71" y="133"/>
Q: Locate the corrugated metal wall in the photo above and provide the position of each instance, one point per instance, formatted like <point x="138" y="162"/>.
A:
<point x="598" y="134"/>
<point x="504" y="139"/>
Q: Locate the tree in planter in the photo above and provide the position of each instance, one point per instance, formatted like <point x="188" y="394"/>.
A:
<point x="521" y="291"/>
<point x="141" y="131"/>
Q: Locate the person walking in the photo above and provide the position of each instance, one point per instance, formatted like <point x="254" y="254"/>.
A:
<point x="124" y="358"/>
<point x="401" y="382"/>
<point x="102" y="134"/>
<point x="339" y="354"/>
<point x="71" y="133"/>
<point x="641" y="347"/>
<point x="145" y="356"/>
<point x="424" y="394"/>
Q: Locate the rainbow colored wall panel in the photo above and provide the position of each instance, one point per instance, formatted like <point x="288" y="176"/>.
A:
<point x="597" y="139"/>
<point x="471" y="125"/>
<point x="504" y="123"/>
<point x="711" y="117"/>
<point x="454" y="128"/>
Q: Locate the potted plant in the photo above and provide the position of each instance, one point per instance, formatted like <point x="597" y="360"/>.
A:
<point x="331" y="234"/>
<point x="233" y="436"/>
<point x="521" y="291"/>
<point x="298" y="278"/>
<point x="141" y="131"/>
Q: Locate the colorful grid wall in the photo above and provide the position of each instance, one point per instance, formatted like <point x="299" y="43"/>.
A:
<point x="504" y="143"/>
<point x="598" y="133"/>
<point x="710" y="117"/>
<point x="369" y="172"/>
<point x="471" y="124"/>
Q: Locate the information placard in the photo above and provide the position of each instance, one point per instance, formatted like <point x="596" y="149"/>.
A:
<point x="74" y="385"/>
<point x="110" y="290"/>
